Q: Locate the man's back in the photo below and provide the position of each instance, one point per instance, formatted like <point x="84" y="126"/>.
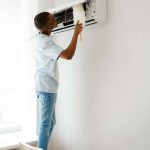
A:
<point x="47" y="52"/>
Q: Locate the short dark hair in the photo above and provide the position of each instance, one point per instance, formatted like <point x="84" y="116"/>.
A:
<point x="41" y="19"/>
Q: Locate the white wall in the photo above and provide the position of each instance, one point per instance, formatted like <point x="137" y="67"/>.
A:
<point x="103" y="101"/>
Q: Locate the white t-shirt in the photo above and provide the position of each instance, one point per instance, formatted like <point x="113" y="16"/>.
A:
<point x="47" y="52"/>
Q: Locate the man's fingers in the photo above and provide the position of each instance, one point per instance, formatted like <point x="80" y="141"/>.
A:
<point x="77" y="22"/>
<point x="79" y="27"/>
<point x="80" y="24"/>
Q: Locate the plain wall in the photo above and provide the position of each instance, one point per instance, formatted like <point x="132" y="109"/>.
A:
<point x="104" y="93"/>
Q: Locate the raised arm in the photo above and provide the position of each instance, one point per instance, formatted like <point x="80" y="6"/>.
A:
<point x="69" y="52"/>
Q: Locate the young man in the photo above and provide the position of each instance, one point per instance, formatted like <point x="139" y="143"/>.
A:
<point x="46" y="75"/>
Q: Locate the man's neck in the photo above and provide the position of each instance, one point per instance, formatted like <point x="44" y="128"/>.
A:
<point x="46" y="32"/>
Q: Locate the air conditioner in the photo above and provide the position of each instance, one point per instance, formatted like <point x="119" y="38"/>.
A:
<point x="95" y="13"/>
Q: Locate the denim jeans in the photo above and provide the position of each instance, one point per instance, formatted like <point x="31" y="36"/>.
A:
<point x="47" y="120"/>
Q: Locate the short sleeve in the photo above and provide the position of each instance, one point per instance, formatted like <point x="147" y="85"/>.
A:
<point x="52" y="50"/>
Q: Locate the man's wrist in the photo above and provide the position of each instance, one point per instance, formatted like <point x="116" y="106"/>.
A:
<point x="76" y="33"/>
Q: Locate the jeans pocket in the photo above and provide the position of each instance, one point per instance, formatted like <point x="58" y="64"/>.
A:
<point x="46" y="97"/>
<point x="42" y="97"/>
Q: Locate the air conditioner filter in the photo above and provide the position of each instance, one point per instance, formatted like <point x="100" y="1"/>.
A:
<point x="79" y="14"/>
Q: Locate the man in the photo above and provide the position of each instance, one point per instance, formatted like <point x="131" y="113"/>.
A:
<point x="47" y="72"/>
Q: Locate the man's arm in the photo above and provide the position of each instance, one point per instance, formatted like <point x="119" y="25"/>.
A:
<point x="69" y="52"/>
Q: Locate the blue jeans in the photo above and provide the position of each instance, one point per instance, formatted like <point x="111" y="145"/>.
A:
<point x="47" y="120"/>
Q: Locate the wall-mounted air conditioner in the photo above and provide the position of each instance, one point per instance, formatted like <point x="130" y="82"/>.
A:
<point x="95" y="13"/>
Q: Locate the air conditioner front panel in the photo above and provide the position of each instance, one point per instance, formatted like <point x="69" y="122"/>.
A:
<point x="64" y="14"/>
<point x="66" y="6"/>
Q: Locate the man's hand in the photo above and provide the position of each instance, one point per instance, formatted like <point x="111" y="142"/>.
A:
<point x="78" y="28"/>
